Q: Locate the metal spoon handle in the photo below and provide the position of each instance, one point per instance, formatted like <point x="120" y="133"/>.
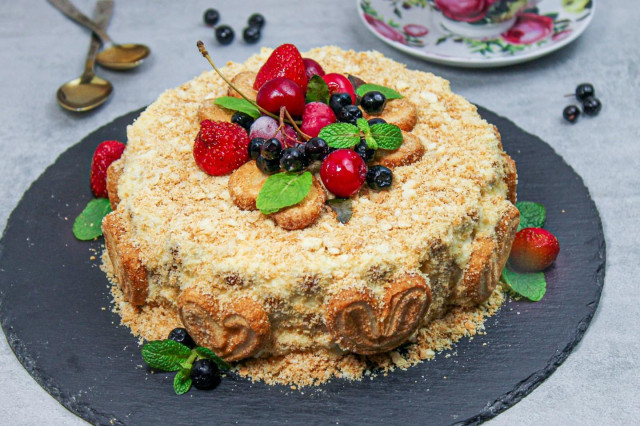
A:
<point x="101" y="16"/>
<point x="66" y="7"/>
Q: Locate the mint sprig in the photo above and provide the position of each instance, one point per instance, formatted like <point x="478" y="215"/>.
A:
<point x="317" y="90"/>
<point x="345" y="135"/>
<point x="363" y="125"/>
<point x="388" y="136"/>
<point x="387" y="92"/>
<point x="237" y="104"/>
<point x="169" y="355"/>
<point x="88" y="224"/>
<point x="532" y="215"/>
<point x="531" y="285"/>
<point x="340" y="135"/>
<point x="283" y="190"/>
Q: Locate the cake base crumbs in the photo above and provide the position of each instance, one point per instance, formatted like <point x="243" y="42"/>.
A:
<point x="302" y="369"/>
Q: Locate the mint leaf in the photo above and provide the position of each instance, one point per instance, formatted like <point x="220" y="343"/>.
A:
<point x="167" y="355"/>
<point x="532" y="215"/>
<point x="182" y="381"/>
<point x="388" y="136"/>
<point x="209" y="354"/>
<point x="317" y="90"/>
<point x="283" y="190"/>
<point x="388" y="93"/>
<point x="342" y="207"/>
<point x="355" y="81"/>
<point x="88" y="224"/>
<point x="340" y="135"/>
<point x="238" y="104"/>
<point x="531" y="285"/>
<point x="363" y="125"/>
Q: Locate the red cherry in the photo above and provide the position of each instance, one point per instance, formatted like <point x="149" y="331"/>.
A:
<point x="338" y="83"/>
<point x="281" y="92"/>
<point x="316" y="116"/>
<point x="312" y="68"/>
<point x="343" y="172"/>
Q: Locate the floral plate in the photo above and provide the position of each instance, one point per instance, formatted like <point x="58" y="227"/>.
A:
<point x="413" y="26"/>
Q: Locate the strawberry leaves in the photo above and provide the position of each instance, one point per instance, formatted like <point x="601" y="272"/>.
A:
<point x="88" y="225"/>
<point x="283" y="190"/>
<point x="345" y="135"/>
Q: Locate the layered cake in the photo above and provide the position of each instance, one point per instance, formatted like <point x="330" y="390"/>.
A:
<point x="247" y="284"/>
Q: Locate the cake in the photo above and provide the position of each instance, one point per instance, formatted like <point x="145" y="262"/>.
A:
<point x="253" y="286"/>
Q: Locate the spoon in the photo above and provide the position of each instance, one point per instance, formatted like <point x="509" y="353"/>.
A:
<point x="88" y="91"/>
<point x="113" y="56"/>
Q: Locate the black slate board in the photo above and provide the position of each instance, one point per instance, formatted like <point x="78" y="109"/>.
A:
<point x="56" y="315"/>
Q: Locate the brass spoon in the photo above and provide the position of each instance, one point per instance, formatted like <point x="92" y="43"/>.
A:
<point x="88" y="91"/>
<point x="113" y="56"/>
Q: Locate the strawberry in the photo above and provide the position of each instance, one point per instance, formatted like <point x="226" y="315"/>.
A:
<point x="105" y="154"/>
<point x="533" y="250"/>
<point x="220" y="147"/>
<point x="285" y="61"/>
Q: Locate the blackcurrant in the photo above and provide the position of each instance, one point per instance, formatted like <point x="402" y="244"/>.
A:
<point x="244" y="120"/>
<point x="205" y="374"/>
<point x="224" y="34"/>
<point x="338" y="101"/>
<point x="291" y="160"/>
<point x="364" y="151"/>
<point x="591" y="106"/>
<point x="267" y="166"/>
<point x="376" y="120"/>
<point x="181" y="335"/>
<point x="254" y="147"/>
<point x="584" y="90"/>
<point x="211" y="16"/>
<point x="571" y="113"/>
<point x="256" y="20"/>
<point x="302" y="149"/>
<point x="349" y="114"/>
<point x="373" y="102"/>
<point x="379" y="177"/>
<point x="316" y="149"/>
<point x="271" y="149"/>
<point x="251" y="34"/>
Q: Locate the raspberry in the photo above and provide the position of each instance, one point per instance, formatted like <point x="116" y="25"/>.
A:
<point x="105" y="154"/>
<point x="220" y="147"/>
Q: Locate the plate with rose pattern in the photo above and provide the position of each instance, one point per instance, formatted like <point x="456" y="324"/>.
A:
<point x="413" y="26"/>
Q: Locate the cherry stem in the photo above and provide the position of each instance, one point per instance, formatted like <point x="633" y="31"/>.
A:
<point x="205" y="53"/>
<point x="295" y="126"/>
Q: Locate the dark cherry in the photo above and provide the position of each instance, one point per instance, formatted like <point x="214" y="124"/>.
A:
<point x="312" y="68"/>
<point x="281" y="92"/>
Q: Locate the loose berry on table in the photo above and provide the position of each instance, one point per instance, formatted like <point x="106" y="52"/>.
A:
<point x="224" y="34"/>
<point x="251" y="34"/>
<point x="379" y="177"/>
<point x="244" y="120"/>
<point x="205" y="374"/>
<point x="373" y="102"/>
<point x="211" y="16"/>
<point x="181" y="335"/>
<point x="591" y="106"/>
<point x="584" y="90"/>
<point x="256" y="20"/>
<point x="571" y="113"/>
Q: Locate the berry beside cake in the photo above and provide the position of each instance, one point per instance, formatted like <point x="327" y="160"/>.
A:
<point x="337" y="202"/>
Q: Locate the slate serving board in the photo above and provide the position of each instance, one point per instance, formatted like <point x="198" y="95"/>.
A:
<point x="56" y="316"/>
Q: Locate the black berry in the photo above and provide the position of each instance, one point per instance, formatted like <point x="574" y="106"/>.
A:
<point x="271" y="149"/>
<point x="373" y="102"/>
<point x="211" y="16"/>
<point x="181" y="335"/>
<point x="302" y="149"/>
<point x="205" y="374"/>
<point x="571" y="113"/>
<point x="379" y="177"/>
<point x="254" y="147"/>
<point x="251" y="34"/>
<point x="591" y="106"/>
<point x="291" y="160"/>
<point x="584" y="90"/>
<point x="376" y="121"/>
<point x="267" y="166"/>
<point x="224" y="34"/>
<point x="244" y="120"/>
<point x="316" y="149"/>
<point x="349" y="114"/>
<point x="256" y="20"/>
<point x="364" y="151"/>
<point x="338" y="101"/>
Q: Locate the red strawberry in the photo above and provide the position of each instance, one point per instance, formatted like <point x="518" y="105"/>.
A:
<point x="220" y="147"/>
<point x="285" y="61"/>
<point x="105" y="154"/>
<point x="533" y="250"/>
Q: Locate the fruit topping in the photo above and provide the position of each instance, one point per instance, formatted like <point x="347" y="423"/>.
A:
<point x="339" y="101"/>
<point x="268" y="166"/>
<point x="224" y="34"/>
<point x="591" y="106"/>
<point x="181" y="335"/>
<point x="343" y="172"/>
<point x="243" y="120"/>
<point x="316" y="149"/>
<point x="281" y="92"/>
<point x="584" y="90"/>
<point x="376" y="120"/>
<point x="254" y="147"/>
<point x="349" y="114"/>
<point x="533" y="250"/>
<point x="271" y="149"/>
<point x="291" y="160"/>
<point x="220" y="147"/>
<point x="373" y="102"/>
<point x="267" y="128"/>
<point x="312" y="68"/>
<point x="379" y="177"/>
<point x="285" y="61"/>
<point x="105" y="154"/>
<point x="251" y="34"/>
<point x="363" y="150"/>
<point x="571" y="113"/>
<point x="205" y="374"/>
<point x="316" y="116"/>
<point x="256" y="20"/>
<point x="338" y="83"/>
<point x="211" y="16"/>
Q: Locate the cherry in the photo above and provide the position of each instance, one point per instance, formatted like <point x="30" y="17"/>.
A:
<point x="343" y="172"/>
<point x="316" y="115"/>
<point x="281" y="92"/>
<point x="338" y="83"/>
<point x="312" y="68"/>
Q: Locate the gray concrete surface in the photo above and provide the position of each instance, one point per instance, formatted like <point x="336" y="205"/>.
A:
<point x="40" y="49"/>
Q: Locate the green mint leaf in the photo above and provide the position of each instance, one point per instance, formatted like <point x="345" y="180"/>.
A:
<point x="371" y="142"/>
<point x="88" y="224"/>
<point x="531" y="285"/>
<point x="388" y="93"/>
<point x="182" y="381"/>
<point x="532" y="215"/>
<point x="317" y="90"/>
<point x="209" y="354"/>
<point x="342" y="207"/>
<point x="283" y="190"/>
<point x="363" y="125"/>
<point x="167" y="355"/>
<point x="388" y="136"/>
<point x="238" y="104"/>
<point x="355" y="81"/>
<point x="340" y="135"/>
